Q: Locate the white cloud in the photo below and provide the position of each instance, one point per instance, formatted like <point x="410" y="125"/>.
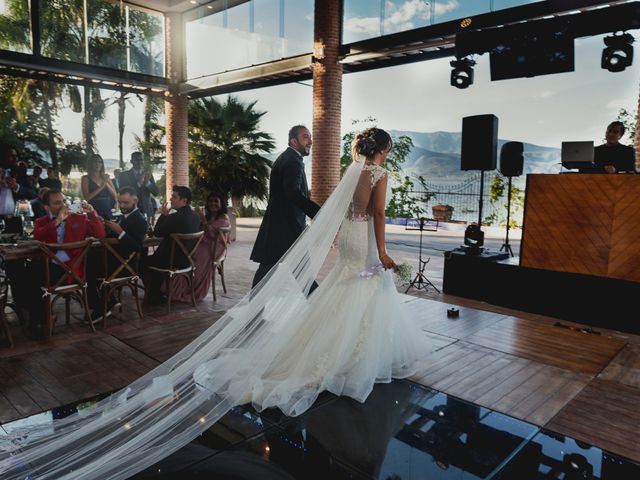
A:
<point x="547" y="94"/>
<point x="445" y="7"/>
<point x="366" y="25"/>
<point x="397" y="17"/>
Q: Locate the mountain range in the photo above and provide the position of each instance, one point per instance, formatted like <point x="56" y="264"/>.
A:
<point x="437" y="155"/>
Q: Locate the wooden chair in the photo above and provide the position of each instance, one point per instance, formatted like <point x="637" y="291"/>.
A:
<point x="218" y="256"/>
<point x="178" y="240"/>
<point x="118" y="272"/>
<point x="4" y="324"/>
<point x="69" y="285"/>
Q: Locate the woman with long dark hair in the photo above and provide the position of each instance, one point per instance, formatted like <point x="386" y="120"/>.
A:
<point x="214" y="244"/>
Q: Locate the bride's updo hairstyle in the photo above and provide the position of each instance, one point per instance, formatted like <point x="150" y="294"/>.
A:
<point x="369" y="142"/>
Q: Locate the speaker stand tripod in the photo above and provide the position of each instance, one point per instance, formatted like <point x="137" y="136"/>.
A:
<point x="420" y="281"/>
<point x="505" y="246"/>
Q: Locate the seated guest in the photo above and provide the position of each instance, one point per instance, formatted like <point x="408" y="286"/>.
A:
<point x="52" y="180"/>
<point x="58" y="226"/>
<point x="612" y="156"/>
<point x="183" y="220"/>
<point x="13" y="184"/>
<point x="37" y="204"/>
<point x="212" y="217"/>
<point x="131" y="227"/>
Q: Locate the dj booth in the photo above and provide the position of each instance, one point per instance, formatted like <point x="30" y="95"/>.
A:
<point x="579" y="256"/>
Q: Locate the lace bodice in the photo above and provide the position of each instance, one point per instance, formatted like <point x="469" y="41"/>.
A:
<point x="361" y="207"/>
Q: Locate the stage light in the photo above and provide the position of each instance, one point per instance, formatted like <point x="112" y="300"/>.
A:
<point x="462" y="73"/>
<point x="473" y="239"/>
<point x="618" y="53"/>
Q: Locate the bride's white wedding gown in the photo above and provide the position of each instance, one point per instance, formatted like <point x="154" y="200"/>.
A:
<point x="275" y="348"/>
<point x="352" y="332"/>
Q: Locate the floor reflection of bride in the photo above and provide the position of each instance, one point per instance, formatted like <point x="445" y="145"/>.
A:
<point x="277" y="348"/>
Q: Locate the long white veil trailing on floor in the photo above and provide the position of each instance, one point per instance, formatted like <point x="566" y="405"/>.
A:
<point x="170" y="406"/>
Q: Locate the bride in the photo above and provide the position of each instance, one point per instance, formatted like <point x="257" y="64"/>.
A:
<point x="277" y="348"/>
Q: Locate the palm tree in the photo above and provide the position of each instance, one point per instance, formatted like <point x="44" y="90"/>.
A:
<point x="226" y="147"/>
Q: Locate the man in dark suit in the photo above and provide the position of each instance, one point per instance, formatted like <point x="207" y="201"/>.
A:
<point x="131" y="227"/>
<point x="288" y="206"/>
<point x="183" y="220"/>
<point x="613" y="156"/>
<point x="142" y="181"/>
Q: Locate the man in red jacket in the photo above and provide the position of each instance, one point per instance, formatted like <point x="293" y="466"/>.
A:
<point x="61" y="226"/>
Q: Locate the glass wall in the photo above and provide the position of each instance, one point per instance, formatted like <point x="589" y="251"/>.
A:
<point x="241" y="34"/>
<point x="365" y="19"/>
<point x="96" y="32"/>
<point x="15" y="26"/>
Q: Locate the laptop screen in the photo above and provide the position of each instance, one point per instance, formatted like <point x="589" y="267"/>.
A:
<point x="577" y="154"/>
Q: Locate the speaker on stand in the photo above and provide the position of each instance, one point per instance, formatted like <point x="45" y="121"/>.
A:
<point x="511" y="165"/>
<point x="479" y="152"/>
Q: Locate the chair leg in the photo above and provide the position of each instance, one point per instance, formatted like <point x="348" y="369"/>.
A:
<point x="169" y="282"/>
<point x="193" y="294"/>
<point x="5" y="326"/>
<point x="105" y="302"/>
<point x="221" y="272"/>
<point x="134" y="291"/>
<point x="67" y="310"/>
<point x="84" y="300"/>
<point x="48" y="320"/>
<point x="213" y="282"/>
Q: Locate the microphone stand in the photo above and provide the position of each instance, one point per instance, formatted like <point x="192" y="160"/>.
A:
<point x="505" y="246"/>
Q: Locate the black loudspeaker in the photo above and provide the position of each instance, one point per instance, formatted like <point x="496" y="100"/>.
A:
<point x="511" y="159"/>
<point x="479" y="142"/>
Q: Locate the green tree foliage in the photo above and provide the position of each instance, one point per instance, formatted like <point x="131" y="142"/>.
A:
<point x="405" y="202"/>
<point x="497" y="191"/>
<point x="628" y="119"/>
<point x="226" y="149"/>
<point x="402" y="146"/>
<point x="151" y="144"/>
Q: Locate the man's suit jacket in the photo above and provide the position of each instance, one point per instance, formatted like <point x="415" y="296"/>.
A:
<point x="26" y="190"/>
<point x="128" y="179"/>
<point x="287" y="209"/>
<point x="77" y="227"/>
<point x="184" y="220"/>
<point x="38" y="208"/>
<point x="135" y="229"/>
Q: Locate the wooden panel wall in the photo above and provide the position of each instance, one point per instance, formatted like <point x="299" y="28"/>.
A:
<point x="586" y="224"/>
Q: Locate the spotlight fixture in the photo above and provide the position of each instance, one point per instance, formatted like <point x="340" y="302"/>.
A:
<point x="618" y="53"/>
<point x="462" y="73"/>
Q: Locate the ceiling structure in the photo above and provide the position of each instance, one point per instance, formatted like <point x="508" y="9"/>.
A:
<point x="425" y="43"/>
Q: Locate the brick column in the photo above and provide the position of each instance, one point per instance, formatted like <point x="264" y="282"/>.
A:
<point x="176" y="106"/>
<point x="327" y="99"/>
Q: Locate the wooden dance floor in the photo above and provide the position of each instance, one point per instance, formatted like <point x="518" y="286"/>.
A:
<point x="573" y="382"/>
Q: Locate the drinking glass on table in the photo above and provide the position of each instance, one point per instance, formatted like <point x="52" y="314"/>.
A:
<point x="28" y="226"/>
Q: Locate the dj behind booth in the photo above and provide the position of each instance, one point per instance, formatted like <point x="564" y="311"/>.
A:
<point x="579" y="255"/>
<point x="610" y="157"/>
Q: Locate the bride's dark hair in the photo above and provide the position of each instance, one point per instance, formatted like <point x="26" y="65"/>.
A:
<point x="369" y="142"/>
